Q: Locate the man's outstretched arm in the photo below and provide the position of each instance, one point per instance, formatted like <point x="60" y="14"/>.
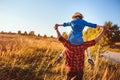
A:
<point x="61" y="39"/>
<point x="104" y="29"/>
<point x="57" y="31"/>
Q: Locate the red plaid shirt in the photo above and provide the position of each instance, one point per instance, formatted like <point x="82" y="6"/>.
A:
<point x="75" y="54"/>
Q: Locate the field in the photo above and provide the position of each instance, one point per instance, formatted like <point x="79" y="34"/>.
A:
<point x="30" y="58"/>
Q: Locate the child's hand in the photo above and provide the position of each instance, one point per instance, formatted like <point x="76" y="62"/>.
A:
<point x="56" y="26"/>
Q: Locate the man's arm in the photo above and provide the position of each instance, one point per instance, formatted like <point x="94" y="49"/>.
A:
<point x="61" y="39"/>
<point x="104" y="29"/>
<point x="58" y="33"/>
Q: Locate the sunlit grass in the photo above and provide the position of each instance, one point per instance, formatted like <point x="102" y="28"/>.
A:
<point x="30" y="58"/>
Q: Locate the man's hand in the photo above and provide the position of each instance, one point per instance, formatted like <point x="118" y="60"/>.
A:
<point x="56" y="26"/>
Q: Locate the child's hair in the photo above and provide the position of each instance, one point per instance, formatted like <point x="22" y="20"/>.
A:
<point x="77" y="14"/>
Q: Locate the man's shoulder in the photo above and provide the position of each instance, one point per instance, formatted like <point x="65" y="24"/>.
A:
<point x="89" y="43"/>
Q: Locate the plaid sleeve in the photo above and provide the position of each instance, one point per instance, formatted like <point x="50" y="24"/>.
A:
<point x="64" y="42"/>
<point x="89" y="43"/>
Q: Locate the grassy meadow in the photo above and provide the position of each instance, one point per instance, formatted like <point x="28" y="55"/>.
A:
<point x="30" y="58"/>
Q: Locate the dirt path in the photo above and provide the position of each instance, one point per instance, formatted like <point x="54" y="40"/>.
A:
<point x="112" y="56"/>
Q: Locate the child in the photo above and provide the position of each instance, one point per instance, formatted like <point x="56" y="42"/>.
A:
<point x="77" y="25"/>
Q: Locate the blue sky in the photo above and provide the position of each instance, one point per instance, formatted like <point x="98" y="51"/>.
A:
<point x="41" y="15"/>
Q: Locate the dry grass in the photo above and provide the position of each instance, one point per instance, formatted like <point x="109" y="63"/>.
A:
<point x="31" y="58"/>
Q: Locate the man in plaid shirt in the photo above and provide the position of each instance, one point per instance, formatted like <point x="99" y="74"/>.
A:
<point x="75" y="55"/>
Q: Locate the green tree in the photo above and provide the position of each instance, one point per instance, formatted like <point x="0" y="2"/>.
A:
<point x="38" y="35"/>
<point x="45" y="36"/>
<point x="51" y="36"/>
<point x="19" y="32"/>
<point x="2" y="32"/>
<point x="113" y="34"/>
<point x="31" y="33"/>
<point x="25" y="33"/>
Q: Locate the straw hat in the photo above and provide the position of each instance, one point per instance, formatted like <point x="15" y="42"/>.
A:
<point x="77" y="14"/>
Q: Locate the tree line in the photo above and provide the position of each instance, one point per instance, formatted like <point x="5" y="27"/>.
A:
<point x="31" y="33"/>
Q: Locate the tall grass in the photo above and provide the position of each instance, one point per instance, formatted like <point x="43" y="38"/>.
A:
<point x="31" y="58"/>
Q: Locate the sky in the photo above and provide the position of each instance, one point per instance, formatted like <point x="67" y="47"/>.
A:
<point x="40" y="16"/>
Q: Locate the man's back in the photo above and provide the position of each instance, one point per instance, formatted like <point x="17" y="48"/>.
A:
<point x="75" y="54"/>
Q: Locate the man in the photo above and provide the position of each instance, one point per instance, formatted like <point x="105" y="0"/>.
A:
<point x="75" y="55"/>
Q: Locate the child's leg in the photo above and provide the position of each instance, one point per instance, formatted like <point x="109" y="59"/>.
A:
<point x="60" y="56"/>
<point x="89" y="58"/>
<point x="88" y="54"/>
